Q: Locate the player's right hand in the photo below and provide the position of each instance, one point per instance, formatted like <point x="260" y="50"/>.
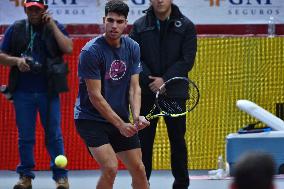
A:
<point x="128" y="130"/>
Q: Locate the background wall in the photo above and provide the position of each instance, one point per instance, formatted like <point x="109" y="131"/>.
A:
<point x="235" y="60"/>
<point x="226" y="69"/>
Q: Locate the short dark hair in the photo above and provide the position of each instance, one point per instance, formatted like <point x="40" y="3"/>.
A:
<point x="117" y="6"/>
<point x="254" y="170"/>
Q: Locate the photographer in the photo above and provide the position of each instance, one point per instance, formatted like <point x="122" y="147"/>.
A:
<point x="39" y="40"/>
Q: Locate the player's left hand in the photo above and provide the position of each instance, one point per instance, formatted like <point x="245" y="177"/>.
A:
<point x="141" y="123"/>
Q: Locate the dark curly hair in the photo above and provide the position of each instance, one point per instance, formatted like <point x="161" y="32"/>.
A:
<point x="254" y="170"/>
<point x="117" y="6"/>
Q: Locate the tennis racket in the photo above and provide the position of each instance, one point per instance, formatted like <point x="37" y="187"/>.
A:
<point x="167" y="101"/>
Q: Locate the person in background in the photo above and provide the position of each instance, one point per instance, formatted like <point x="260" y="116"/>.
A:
<point x="168" y="46"/>
<point x="254" y="170"/>
<point x="36" y="41"/>
<point x="108" y="70"/>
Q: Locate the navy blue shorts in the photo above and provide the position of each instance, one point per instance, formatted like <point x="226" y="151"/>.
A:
<point x="96" y="134"/>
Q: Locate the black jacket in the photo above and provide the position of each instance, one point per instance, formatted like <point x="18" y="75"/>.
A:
<point x="171" y="56"/>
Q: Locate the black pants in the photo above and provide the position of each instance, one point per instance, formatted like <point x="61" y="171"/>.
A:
<point x="176" y="128"/>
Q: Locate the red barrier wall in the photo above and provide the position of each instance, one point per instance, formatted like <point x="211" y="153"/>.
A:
<point x="228" y="29"/>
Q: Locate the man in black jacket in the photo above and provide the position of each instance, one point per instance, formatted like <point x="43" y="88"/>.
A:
<point x="168" y="47"/>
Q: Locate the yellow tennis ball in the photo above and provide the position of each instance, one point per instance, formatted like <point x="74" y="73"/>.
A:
<point x="61" y="161"/>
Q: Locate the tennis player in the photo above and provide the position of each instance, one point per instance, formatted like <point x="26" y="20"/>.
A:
<point x="108" y="70"/>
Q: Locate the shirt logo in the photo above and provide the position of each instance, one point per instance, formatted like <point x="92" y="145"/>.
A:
<point x="117" y="70"/>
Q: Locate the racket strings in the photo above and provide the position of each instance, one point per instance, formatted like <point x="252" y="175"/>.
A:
<point x="171" y="97"/>
<point x="193" y="94"/>
<point x="169" y="105"/>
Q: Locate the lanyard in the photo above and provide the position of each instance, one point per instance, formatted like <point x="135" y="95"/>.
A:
<point x="31" y="44"/>
<point x="159" y="24"/>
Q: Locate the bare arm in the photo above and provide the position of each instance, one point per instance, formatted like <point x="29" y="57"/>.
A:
<point x="135" y="96"/>
<point x="7" y="60"/>
<point x="135" y="103"/>
<point x="65" y="43"/>
<point x="99" y="102"/>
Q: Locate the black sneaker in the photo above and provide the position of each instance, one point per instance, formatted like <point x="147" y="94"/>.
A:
<point x="24" y="183"/>
<point x="62" y="183"/>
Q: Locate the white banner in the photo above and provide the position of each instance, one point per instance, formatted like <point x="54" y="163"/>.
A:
<point x="199" y="11"/>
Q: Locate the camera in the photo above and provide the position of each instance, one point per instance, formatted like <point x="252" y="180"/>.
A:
<point x="35" y="66"/>
<point x="5" y="91"/>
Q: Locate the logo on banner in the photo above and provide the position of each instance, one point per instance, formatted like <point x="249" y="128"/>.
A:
<point x="53" y="2"/>
<point x="248" y="7"/>
<point x="18" y="2"/>
<point x="253" y="8"/>
<point x="217" y="3"/>
<point x="67" y="8"/>
<point x="214" y="2"/>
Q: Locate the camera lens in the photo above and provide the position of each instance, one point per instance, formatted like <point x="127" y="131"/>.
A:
<point x="35" y="66"/>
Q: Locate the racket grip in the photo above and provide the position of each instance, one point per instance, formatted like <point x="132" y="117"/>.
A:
<point x="148" y="117"/>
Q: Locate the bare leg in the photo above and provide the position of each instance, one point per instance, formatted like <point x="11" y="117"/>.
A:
<point x="106" y="158"/>
<point x="132" y="160"/>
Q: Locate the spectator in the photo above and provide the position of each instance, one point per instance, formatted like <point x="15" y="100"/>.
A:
<point x="168" y="46"/>
<point x="39" y="39"/>
<point x="254" y="170"/>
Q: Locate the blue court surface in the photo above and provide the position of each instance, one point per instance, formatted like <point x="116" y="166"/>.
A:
<point x="88" y="179"/>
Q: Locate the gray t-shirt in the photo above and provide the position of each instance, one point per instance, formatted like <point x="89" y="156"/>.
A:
<point x="114" y="67"/>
